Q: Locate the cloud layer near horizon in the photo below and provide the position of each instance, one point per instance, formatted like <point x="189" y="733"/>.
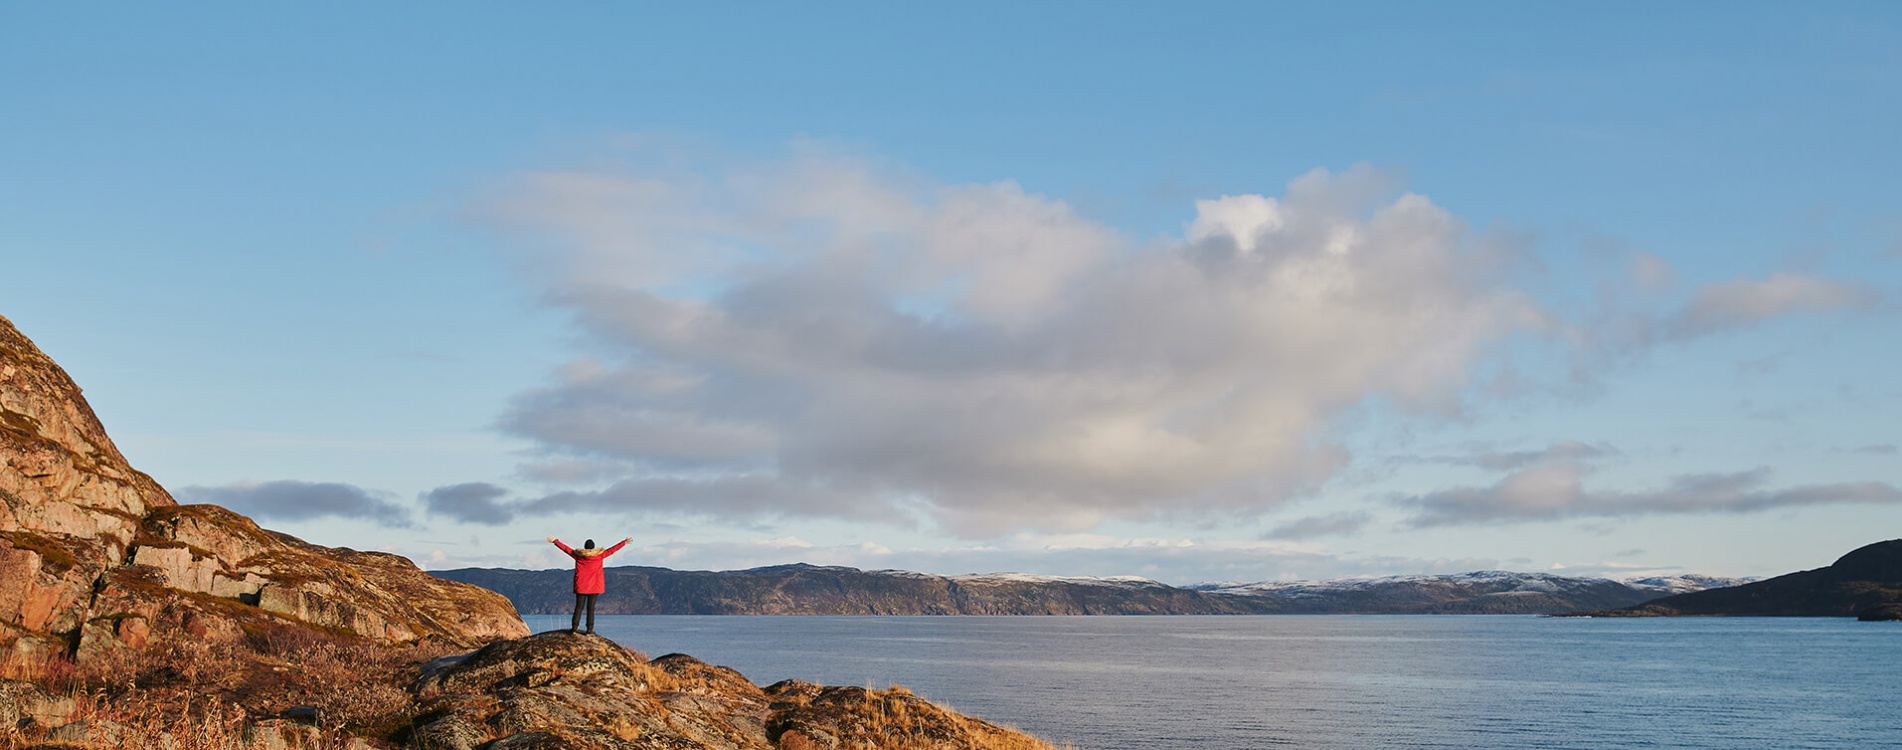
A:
<point x="292" y="500"/>
<point x="816" y="337"/>
<point x="1557" y="491"/>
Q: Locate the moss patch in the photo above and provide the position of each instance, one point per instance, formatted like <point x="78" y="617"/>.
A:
<point x="55" y="557"/>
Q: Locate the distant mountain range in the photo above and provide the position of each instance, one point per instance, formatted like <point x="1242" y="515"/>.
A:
<point x="1866" y="584"/>
<point x="1488" y="592"/>
<point x="801" y="589"/>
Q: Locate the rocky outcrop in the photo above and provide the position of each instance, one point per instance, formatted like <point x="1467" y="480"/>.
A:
<point x="582" y="692"/>
<point x="1865" y="584"/>
<point x="69" y="503"/>
<point x="96" y="557"/>
<point x="62" y="475"/>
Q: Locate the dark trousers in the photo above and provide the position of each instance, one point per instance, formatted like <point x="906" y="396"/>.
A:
<point x="581" y="600"/>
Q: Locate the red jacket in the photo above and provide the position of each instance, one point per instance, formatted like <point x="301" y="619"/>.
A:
<point x="588" y="578"/>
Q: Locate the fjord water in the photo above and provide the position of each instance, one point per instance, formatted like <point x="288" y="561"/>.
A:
<point x="1102" y="683"/>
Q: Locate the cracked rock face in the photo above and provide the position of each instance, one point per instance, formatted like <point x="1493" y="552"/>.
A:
<point x="96" y="556"/>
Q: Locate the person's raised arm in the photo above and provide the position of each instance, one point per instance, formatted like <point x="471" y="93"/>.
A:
<point x="617" y="547"/>
<point x="564" y="547"/>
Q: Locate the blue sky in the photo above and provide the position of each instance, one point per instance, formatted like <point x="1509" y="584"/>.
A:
<point x="1210" y="292"/>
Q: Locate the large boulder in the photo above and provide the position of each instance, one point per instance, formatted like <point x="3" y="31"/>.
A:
<point x="582" y="692"/>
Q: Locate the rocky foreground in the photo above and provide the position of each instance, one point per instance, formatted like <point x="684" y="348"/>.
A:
<point x="562" y="690"/>
<point x="130" y="621"/>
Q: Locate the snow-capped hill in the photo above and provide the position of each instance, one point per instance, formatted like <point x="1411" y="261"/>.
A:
<point x="1478" y="592"/>
<point x="1493" y="580"/>
<point x="1684" y="584"/>
<point x="1032" y="578"/>
<point x="1024" y="578"/>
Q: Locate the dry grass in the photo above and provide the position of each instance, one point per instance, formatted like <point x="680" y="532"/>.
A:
<point x="53" y="672"/>
<point x="895" y="719"/>
<point x="191" y="695"/>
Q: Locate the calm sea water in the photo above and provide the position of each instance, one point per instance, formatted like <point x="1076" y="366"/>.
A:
<point x="1105" y="683"/>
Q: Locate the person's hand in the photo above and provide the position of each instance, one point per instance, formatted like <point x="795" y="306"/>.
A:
<point x="551" y="539"/>
<point x="629" y="539"/>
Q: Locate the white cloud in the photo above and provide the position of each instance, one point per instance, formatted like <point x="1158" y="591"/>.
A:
<point x="816" y="337"/>
<point x="1240" y="219"/>
<point x="1557" y="491"/>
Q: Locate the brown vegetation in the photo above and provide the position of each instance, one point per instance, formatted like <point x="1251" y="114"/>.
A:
<point x="811" y="717"/>
<point x="210" y="692"/>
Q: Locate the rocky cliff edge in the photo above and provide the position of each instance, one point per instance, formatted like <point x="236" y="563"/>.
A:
<point x="96" y="557"/>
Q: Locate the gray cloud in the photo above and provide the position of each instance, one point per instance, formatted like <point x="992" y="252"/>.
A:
<point x="1557" y="491"/>
<point x="1744" y="302"/>
<point x="1485" y="457"/>
<point x="473" y="502"/>
<point x="290" y="500"/>
<point x="818" y="337"/>
<point x="1620" y="328"/>
<point x="739" y="496"/>
<point x="736" y="496"/>
<point x="1884" y="449"/>
<point x="1317" y="526"/>
<point x="1568" y="450"/>
<point x="873" y="345"/>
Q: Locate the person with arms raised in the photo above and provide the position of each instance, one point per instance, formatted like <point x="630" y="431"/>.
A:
<point x="590" y="582"/>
